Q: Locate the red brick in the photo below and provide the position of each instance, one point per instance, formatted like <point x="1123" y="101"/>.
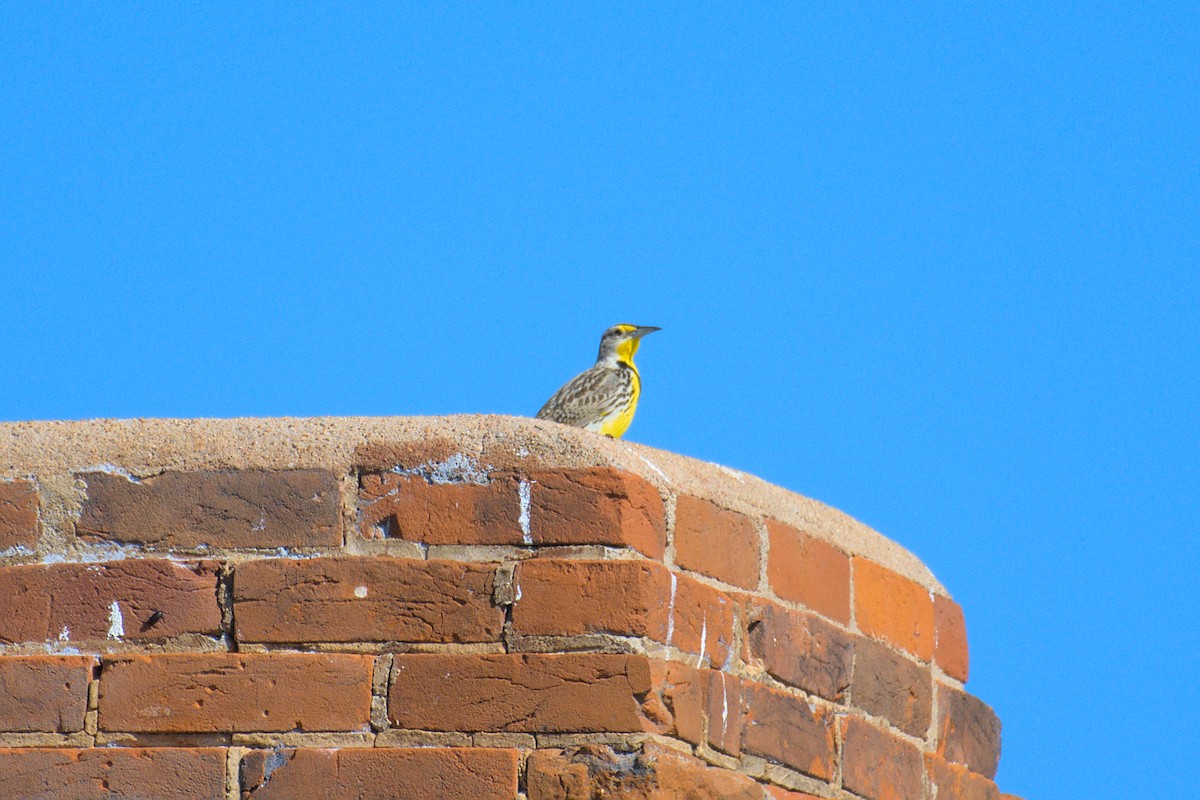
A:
<point x="525" y="693"/>
<point x="363" y="773"/>
<point x="954" y="782"/>
<point x="804" y="569"/>
<point x="195" y="510"/>
<point x="627" y="598"/>
<point x="786" y="729"/>
<point x="879" y="766"/>
<point x="596" y="505"/>
<point x="777" y="793"/>
<point x="968" y="731"/>
<point x="44" y="693"/>
<point x="113" y="773"/>
<point x="726" y="712"/>
<point x="410" y="507"/>
<point x="231" y="692"/>
<point x="700" y="619"/>
<point x="803" y="650"/>
<point x="18" y="514"/>
<point x="892" y="607"/>
<point x="888" y="685"/>
<point x="714" y="542"/>
<point x="369" y="599"/>
<point x="679" y="690"/>
<point x="950" y="638"/>
<point x="74" y="602"/>
<point x="655" y="773"/>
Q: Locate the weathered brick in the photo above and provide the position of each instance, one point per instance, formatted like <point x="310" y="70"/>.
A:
<point x="681" y="690"/>
<point x="891" y="686"/>
<point x="211" y="692"/>
<point x="412" y="508"/>
<point x="715" y="542"/>
<point x="560" y="507"/>
<point x="132" y="773"/>
<point x="524" y="693"/>
<point x="803" y="650"/>
<point x="879" y="766"/>
<point x="655" y="773"/>
<point x="726" y="712"/>
<point x="950" y="638"/>
<point x="954" y="782"/>
<point x="786" y="729"/>
<point x="804" y="569"/>
<point x="700" y="619"/>
<point x="194" y="510"/>
<point x="569" y="597"/>
<point x="892" y="607"/>
<point x="968" y="731"/>
<point x="76" y="602"/>
<point x="596" y="505"/>
<point x="18" y="514"/>
<point x="779" y="793"/>
<point x="44" y="693"/>
<point x="364" y="773"/>
<point x="371" y="599"/>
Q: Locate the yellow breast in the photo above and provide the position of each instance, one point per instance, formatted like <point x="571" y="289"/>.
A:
<point x="617" y="423"/>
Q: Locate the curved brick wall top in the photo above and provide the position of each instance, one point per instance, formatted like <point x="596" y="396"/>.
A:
<point x="472" y="607"/>
<point x="145" y="447"/>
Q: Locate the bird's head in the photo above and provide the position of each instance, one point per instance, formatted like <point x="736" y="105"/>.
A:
<point x="620" y="342"/>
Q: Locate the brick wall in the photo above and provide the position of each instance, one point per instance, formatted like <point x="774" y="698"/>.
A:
<point x="457" y="608"/>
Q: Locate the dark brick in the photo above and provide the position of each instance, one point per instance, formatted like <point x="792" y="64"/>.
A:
<point x="888" y="685"/>
<point x="968" y="731"/>
<point x="370" y="599"/>
<point x="803" y="650"/>
<point x="236" y="508"/>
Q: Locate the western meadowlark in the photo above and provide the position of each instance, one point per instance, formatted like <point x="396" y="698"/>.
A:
<point x="603" y="398"/>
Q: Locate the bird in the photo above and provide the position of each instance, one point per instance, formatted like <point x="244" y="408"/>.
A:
<point x="603" y="398"/>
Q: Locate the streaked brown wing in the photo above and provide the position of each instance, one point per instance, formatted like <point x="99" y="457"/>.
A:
<point x="587" y="397"/>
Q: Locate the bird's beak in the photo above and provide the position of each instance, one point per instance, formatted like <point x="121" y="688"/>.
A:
<point x="642" y="330"/>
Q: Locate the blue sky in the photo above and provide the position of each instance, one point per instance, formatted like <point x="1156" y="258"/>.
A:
<point x="934" y="265"/>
